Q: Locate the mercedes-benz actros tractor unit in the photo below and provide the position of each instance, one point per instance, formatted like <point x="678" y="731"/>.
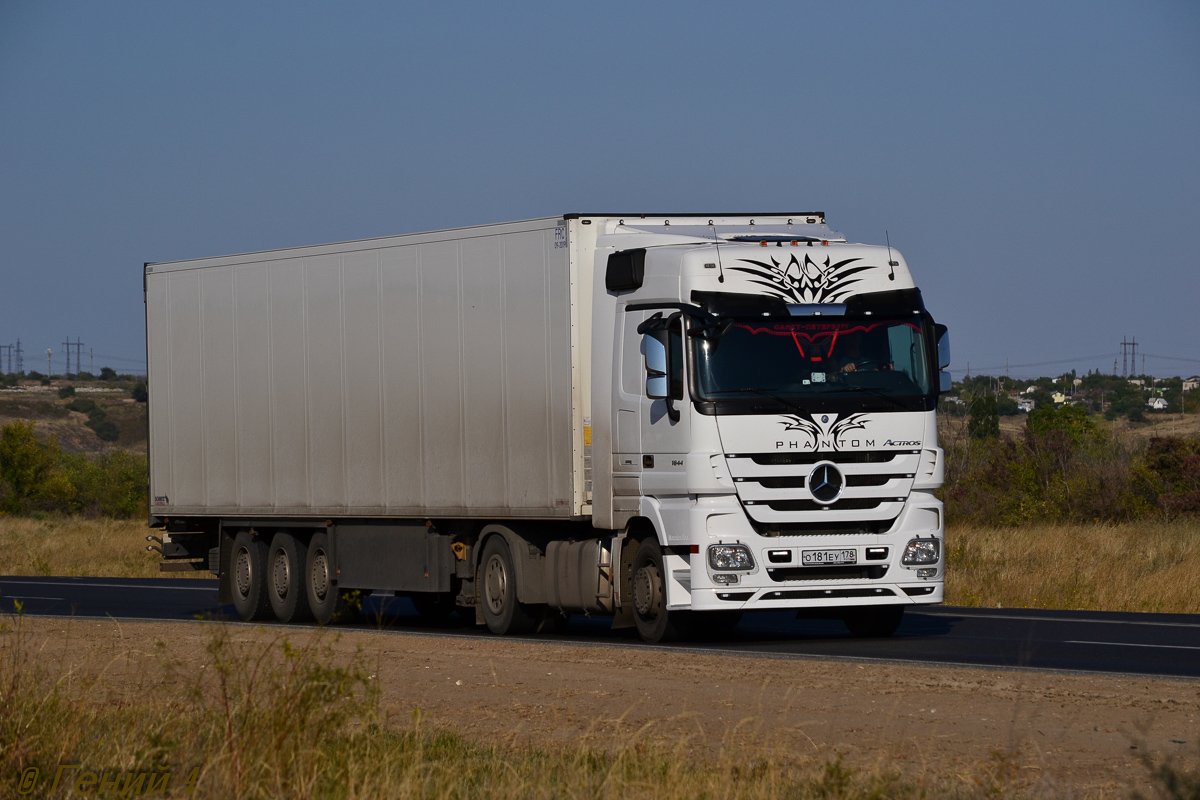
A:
<point x="666" y="418"/>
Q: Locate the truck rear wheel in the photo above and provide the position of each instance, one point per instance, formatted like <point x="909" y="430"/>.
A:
<point x="498" y="582"/>
<point x="654" y="623"/>
<point x="249" y="579"/>
<point x="327" y="603"/>
<point x="285" y="573"/>
<point x="874" y="622"/>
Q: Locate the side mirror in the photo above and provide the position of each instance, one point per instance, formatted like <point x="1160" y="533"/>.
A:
<point x="655" y="351"/>
<point x="943" y="344"/>
<point x="944" y="382"/>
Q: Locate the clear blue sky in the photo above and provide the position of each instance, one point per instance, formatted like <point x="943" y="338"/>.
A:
<point x="1037" y="163"/>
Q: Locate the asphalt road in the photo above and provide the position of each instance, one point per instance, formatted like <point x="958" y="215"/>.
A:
<point x="1143" y="644"/>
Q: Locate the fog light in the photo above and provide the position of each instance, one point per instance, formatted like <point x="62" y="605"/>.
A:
<point x="927" y="572"/>
<point x="725" y="578"/>
<point x="921" y="551"/>
<point x="730" y="556"/>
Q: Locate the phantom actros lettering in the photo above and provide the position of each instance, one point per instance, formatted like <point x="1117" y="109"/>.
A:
<point x="824" y="434"/>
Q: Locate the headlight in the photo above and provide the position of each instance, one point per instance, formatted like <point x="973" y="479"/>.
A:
<point x="730" y="556"/>
<point x="921" y="551"/>
<point x="725" y="578"/>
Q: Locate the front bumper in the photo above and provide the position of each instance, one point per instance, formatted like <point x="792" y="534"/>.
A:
<point x="694" y="524"/>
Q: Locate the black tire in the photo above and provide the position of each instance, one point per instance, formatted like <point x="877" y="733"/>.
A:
<point x="248" y="577"/>
<point x="498" y="591"/>
<point x="874" y="622"/>
<point x="286" y="582"/>
<point x="328" y="604"/>
<point x="654" y="623"/>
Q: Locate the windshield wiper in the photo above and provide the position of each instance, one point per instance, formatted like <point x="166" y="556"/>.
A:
<point x="878" y="393"/>
<point x="793" y="406"/>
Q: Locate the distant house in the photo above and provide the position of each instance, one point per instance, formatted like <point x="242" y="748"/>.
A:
<point x="1157" y="403"/>
<point x="954" y="399"/>
<point x="1191" y="384"/>
<point x="1059" y="398"/>
<point x="1137" y="381"/>
<point x="1030" y="389"/>
<point x="1026" y="405"/>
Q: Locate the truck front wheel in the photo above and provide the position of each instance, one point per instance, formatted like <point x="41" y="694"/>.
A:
<point x="327" y="603"/>
<point x="285" y="563"/>
<point x="654" y="623"/>
<point x="249" y="567"/>
<point x="501" y="610"/>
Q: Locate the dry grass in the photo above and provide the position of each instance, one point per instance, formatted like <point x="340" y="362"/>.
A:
<point x="293" y="718"/>
<point x="78" y="547"/>
<point x="1137" y="566"/>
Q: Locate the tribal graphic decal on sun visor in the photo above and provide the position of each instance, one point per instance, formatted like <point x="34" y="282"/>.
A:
<point x="824" y="434"/>
<point x="807" y="281"/>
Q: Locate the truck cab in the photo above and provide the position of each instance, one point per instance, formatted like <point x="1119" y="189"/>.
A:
<point x="770" y="416"/>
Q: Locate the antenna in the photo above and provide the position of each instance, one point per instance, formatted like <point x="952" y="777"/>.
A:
<point x="720" y="266"/>
<point x="891" y="264"/>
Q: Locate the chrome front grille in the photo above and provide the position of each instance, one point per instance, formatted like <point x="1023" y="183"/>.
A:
<point x="774" y="491"/>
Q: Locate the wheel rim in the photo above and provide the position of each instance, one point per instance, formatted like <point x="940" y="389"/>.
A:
<point x="495" y="584"/>
<point x="242" y="572"/>
<point x="647" y="586"/>
<point x="282" y="574"/>
<point x="320" y="575"/>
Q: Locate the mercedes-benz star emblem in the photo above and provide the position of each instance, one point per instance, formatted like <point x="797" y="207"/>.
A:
<point x="825" y="483"/>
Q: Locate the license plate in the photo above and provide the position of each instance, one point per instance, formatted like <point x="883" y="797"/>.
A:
<point x="818" y="558"/>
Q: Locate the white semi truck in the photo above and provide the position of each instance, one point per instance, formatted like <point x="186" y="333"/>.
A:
<point x="670" y="419"/>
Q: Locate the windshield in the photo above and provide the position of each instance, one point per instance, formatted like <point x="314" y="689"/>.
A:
<point x="800" y="359"/>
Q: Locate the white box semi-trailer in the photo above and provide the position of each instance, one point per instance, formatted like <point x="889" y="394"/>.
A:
<point x="562" y="415"/>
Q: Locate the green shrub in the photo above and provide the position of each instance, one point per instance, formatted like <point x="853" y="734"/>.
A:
<point x="36" y="476"/>
<point x="139" y="393"/>
<point x="66" y="391"/>
<point x="83" y="405"/>
<point x="26" y="464"/>
<point x="984" y="422"/>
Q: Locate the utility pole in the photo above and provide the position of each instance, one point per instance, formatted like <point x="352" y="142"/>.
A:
<point x="91" y="362"/>
<point x="8" y="348"/>
<point x="20" y="358"/>
<point x="78" y="353"/>
<point x="67" y="350"/>
<point x="49" y="369"/>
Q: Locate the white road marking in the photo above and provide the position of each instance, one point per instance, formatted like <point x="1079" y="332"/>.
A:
<point x="19" y="582"/>
<point x="31" y="597"/>
<point x="1135" y="644"/>
<point x="1059" y="619"/>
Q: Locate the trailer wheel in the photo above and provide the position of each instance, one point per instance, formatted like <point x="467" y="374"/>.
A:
<point x="248" y="568"/>
<point x="874" y="622"/>
<point x="498" y="582"/>
<point x="285" y="578"/>
<point x="654" y="622"/>
<point x="327" y="602"/>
